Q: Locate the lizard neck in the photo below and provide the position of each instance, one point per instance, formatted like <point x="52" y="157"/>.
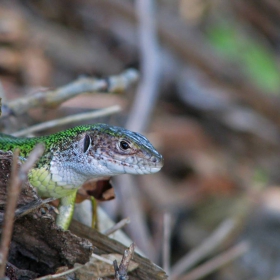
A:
<point x="69" y="166"/>
<point x="53" y="143"/>
<point x="59" y="159"/>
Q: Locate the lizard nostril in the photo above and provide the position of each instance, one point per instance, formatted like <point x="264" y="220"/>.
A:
<point x="154" y="159"/>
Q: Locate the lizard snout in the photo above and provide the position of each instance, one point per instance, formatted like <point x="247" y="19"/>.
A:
<point x="158" y="161"/>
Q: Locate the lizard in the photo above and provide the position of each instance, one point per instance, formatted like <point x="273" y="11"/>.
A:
<point x="75" y="155"/>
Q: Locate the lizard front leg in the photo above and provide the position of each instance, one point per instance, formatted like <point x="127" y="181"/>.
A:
<point x="66" y="210"/>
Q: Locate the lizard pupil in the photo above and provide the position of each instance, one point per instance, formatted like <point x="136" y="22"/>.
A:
<point x="124" y="145"/>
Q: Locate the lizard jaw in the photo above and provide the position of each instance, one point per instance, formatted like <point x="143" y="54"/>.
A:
<point x="117" y="167"/>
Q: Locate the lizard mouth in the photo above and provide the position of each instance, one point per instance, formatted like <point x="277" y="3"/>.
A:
<point x="141" y="167"/>
<point x="155" y="169"/>
<point x="130" y="169"/>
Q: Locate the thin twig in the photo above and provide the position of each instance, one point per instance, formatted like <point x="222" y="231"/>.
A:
<point x="166" y="242"/>
<point x="122" y="269"/>
<point x="207" y="247"/>
<point x="217" y="262"/>
<point x="32" y="158"/>
<point x="70" y="119"/>
<point x="113" y="84"/>
<point x="117" y="226"/>
<point x="101" y="259"/>
<point x="57" y="275"/>
<point x="12" y="196"/>
<point x="18" y="176"/>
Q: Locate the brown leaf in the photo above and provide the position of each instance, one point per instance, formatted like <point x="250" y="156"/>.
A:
<point x="101" y="190"/>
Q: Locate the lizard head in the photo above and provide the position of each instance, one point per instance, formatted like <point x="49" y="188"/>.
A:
<point x="98" y="151"/>
<point x="115" y="150"/>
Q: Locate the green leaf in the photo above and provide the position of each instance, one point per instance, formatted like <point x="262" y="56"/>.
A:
<point x="255" y="59"/>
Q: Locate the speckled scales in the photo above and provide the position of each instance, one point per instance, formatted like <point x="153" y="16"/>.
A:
<point x="67" y="163"/>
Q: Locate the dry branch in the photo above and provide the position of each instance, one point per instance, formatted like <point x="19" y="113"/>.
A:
<point x="117" y="226"/>
<point x="53" y="98"/>
<point x="105" y="245"/>
<point x="122" y="269"/>
<point x="70" y="119"/>
<point x="58" y="275"/>
<point x="18" y="177"/>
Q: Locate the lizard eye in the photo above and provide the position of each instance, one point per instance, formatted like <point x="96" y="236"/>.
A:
<point x="86" y="142"/>
<point x="124" y="145"/>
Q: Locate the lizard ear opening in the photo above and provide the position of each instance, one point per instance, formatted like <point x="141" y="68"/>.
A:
<point x="87" y="142"/>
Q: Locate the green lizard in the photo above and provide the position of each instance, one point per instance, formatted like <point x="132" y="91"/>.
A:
<point x="75" y="155"/>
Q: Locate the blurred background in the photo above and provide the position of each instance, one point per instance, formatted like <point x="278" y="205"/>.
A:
<point x="208" y="99"/>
